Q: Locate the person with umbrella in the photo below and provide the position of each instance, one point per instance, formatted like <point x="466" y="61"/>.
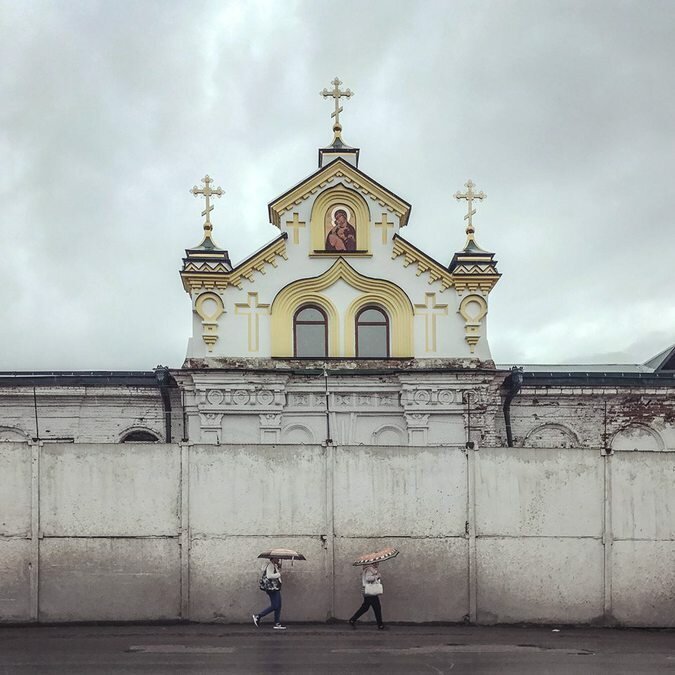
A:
<point x="372" y="585"/>
<point x="270" y="582"/>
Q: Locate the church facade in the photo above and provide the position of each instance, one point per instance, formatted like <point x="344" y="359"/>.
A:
<point x="337" y="335"/>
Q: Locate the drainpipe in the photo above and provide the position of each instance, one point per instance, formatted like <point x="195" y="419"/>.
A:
<point x="514" y="381"/>
<point x="163" y="379"/>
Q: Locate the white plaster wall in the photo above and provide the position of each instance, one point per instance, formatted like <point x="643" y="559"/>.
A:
<point x="539" y="580"/>
<point x="109" y="579"/>
<point x="15" y="587"/>
<point x="643" y="495"/>
<point x="15" y="489"/>
<point x="399" y="491"/>
<point x="538" y="492"/>
<point x="643" y="583"/>
<point x="270" y="490"/>
<point x="111" y="490"/>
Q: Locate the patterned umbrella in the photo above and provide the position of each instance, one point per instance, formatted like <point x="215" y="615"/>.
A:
<point x="377" y="556"/>
<point x="282" y="554"/>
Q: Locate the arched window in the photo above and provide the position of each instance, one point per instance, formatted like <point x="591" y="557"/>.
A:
<point x="140" y="436"/>
<point x="372" y="334"/>
<point x="310" y="328"/>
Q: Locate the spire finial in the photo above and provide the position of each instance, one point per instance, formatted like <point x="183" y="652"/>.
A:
<point x="470" y="195"/>
<point x="336" y="94"/>
<point x="207" y="192"/>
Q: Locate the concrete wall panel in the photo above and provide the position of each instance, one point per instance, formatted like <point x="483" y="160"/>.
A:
<point x="15" y="489"/>
<point x="427" y="581"/>
<point x="109" y="579"/>
<point x="643" y="495"/>
<point x="15" y="556"/>
<point x="539" y="580"/>
<point x="110" y="490"/>
<point x="399" y="491"/>
<point x="224" y="575"/>
<point x="643" y="583"/>
<point x="537" y="492"/>
<point x="255" y="490"/>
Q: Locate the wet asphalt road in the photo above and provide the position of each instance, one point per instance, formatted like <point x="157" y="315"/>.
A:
<point x="69" y="650"/>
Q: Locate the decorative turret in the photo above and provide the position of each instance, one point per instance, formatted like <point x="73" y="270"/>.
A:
<point x="338" y="148"/>
<point x="474" y="271"/>
<point x="205" y="259"/>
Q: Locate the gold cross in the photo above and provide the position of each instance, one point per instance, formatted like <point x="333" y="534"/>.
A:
<point x="207" y="192"/>
<point x="431" y="310"/>
<point x="337" y="95"/>
<point x="296" y="224"/>
<point x="470" y="195"/>
<point x="254" y="311"/>
<point x="385" y="225"/>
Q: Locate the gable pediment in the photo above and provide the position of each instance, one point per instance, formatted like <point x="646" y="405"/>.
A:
<point x="351" y="177"/>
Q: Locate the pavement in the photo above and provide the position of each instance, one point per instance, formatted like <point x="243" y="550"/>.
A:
<point x="331" y="648"/>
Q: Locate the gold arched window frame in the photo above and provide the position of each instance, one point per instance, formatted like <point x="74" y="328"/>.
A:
<point x="328" y="200"/>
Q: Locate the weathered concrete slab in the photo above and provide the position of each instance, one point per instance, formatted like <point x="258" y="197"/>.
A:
<point x="540" y="492"/>
<point x="224" y="576"/>
<point x="643" y="495"/>
<point x="109" y="579"/>
<point x="15" y="556"/>
<point x="256" y="490"/>
<point x="643" y="583"/>
<point x="427" y="581"/>
<point x="104" y="490"/>
<point x="15" y="489"/>
<point x="539" y="580"/>
<point x="399" y="491"/>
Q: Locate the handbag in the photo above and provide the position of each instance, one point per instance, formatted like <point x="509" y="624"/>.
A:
<point x="374" y="588"/>
<point x="266" y="584"/>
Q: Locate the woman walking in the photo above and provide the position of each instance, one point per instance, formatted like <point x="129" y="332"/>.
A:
<point x="270" y="582"/>
<point x="372" y="589"/>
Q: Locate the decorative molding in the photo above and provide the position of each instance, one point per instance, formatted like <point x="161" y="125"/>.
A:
<point x="296" y="224"/>
<point x="377" y="291"/>
<point x="425" y="264"/>
<point x="209" y="307"/>
<point x="473" y="309"/>
<point x="430" y="310"/>
<point x="341" y="170"/>
<point x="384" y="225"/>
<point x="253" y="310"/>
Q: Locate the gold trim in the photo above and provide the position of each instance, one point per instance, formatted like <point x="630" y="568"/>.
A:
<point x="424" y="264"/>
<point x="352" y="177"/>
<point x="209" y="319"/>
<point x="385" y="225"/>
<point x="308" y="291"/>
<point x="426" y="309"/>
<point x="210" y="278"/>
<point x="296" y="224"/>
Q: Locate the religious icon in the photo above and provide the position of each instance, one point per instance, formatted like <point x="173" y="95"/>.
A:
<point x="340" y="229"/>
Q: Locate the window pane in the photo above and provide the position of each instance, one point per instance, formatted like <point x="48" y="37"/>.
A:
<point x="310" y="339"/>
<point x="372" y="341"/>
<point x="372" y="315"/>
<point x="309" y="314"/>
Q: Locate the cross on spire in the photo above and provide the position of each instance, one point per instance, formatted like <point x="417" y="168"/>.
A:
<point x="470" y="195"/>
<point x="207" y="192"/>
<point x="336" y="94"/>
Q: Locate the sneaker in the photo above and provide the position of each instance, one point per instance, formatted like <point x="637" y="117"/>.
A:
<point x="256" y="621"/>
<point x="278" y="626"/>
<point x="352" y="623"/>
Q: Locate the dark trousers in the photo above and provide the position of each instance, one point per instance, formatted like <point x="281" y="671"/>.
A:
<point x="368" y="602"/>
<point x="275" y="606"/>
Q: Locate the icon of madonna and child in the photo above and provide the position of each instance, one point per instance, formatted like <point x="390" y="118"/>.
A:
<point x="340" y="229"/>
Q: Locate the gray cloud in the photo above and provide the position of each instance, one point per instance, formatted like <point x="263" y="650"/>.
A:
<point x="562" y="112"/>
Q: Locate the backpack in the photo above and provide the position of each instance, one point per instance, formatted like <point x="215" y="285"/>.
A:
<point x="266" y="584"/>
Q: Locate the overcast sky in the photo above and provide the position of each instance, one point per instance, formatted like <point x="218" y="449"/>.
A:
<point x="562" y="112"/>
